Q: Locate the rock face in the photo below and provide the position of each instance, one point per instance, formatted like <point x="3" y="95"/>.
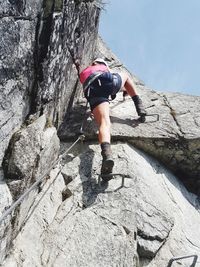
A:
<point x="143" y="217"/>
<point x="172" y="135"/>
<point x="31" y="153"/>
<point x="5" y="227"/>
<point x="17" y="29"/>
<point x="144" y="223"/>
<point x="41" y="43"/>
<point x="73" y="29"/>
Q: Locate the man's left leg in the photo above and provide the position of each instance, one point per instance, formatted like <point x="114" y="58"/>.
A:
<point x="130" y="88"/>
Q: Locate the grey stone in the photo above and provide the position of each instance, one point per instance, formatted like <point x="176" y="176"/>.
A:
<point x="16" y="75"/>
<point x="151" y="218"/>
<point x="18" y="20"/>
<point x="20" y="9"/>
<point x="15" y="187"/>
<point x="32" y="152"/>
<point x="5" y="225"/>
<point x="71" y="46"/>
<point x="93" y="227"/>
<point x="40" y="53"/>
<point x="41" y="50"/>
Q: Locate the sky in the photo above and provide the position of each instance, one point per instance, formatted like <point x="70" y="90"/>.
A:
<point x="157" y="40"/>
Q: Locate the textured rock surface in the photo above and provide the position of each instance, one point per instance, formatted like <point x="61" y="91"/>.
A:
<point x="145" y="223"/>
<point x="31" y="153"/>
<point x="72" y="41"/>
<point x="5" y="228"/>
<point x="41" y="42"/>
<point x="17" y="30"/>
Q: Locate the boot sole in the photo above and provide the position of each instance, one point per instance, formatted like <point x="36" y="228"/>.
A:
<point x="142" y="118"/>
<point x="107" y="167"/>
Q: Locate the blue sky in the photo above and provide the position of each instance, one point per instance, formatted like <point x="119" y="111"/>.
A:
<point x="157" y="40"/>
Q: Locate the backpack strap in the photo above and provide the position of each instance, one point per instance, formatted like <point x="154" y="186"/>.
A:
<point x="91" y="79"/>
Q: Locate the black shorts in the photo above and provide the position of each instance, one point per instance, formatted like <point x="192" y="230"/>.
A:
<point x="105" y="85"/>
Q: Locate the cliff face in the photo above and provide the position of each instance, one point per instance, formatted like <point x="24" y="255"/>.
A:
<point x="41" y="41"/>
<point x="143" y="217"/>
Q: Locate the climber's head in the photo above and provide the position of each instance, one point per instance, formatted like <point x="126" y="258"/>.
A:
<point x="100" y="61"/>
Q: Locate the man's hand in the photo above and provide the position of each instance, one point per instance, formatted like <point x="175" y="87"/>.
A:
<point x="125" y="93"/>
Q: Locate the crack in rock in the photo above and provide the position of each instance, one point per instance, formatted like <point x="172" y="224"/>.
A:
<point x="148" y="237"/>
<point x="173" y="114"/>
<point x="17" y="17"/>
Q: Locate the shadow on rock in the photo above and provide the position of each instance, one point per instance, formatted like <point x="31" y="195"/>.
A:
<point x="89" y="178"/>
<point x="150" y="118"/>
<point x="130" y="122"/>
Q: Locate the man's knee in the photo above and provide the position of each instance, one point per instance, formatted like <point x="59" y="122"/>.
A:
<point x="106" y="121"/>
<point x="124" y="77"/>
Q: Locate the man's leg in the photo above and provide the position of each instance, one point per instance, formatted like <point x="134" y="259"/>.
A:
<point x="130" y="88"/>
<point x="101" y="116"/>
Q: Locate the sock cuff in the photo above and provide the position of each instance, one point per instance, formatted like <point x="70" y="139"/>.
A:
<point x="105" y="144"/>
<point x="135" y="98"/>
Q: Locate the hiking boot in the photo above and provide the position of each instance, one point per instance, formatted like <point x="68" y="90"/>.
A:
<point x="107" y="166"/>
<point x="139" y="105"/>
<point x="108" y="162"/>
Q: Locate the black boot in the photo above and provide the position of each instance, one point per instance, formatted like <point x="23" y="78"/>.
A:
<point x="139" y="105"/>
<point x="107" y="163"/>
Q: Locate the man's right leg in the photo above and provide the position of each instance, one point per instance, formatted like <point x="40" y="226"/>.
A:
<point x="101" y="116"/>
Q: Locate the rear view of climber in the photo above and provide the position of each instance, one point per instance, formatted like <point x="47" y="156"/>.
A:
<point x="99" y="84"/>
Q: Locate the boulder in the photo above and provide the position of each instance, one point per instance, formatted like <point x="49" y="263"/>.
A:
<point x="31" y="153"/>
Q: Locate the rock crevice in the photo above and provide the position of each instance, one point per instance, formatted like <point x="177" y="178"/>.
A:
<point x="173" y="114"/>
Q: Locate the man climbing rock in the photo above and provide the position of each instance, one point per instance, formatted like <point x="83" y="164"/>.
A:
<point x="99" y="83"/>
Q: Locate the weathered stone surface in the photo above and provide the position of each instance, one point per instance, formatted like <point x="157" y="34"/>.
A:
<point x="5" y="226"/>
<point x="167" y="214"/>
<point x="72" y="42"/>
<point x="20" y="9"/>
<point x="36" y="223"/>
<point x="93" y="227"/>
<point x="100" y="225"/>
<point x="41" y="43"/>
<point x="16" y="75"/>
<point x="18" y="20"/>
<point x="32" y="152"/>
